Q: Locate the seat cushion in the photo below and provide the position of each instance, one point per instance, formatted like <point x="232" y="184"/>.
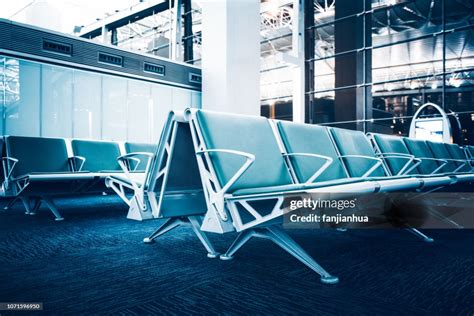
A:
<point x="249" y="134"/>
<point x="137" y="177"/>
<point x="440" y="151"/>
<point x="312" y="139"/>
<point x="287" y="189"/>
<point x="420" y="149"/>
<point x="140" y="147"/>
<point x="37" y="154"/>
<point x="99" y="155"/>
<point x="457" y="152"/>
<point x="393" y="144"/>
<point x="356" y="143"/>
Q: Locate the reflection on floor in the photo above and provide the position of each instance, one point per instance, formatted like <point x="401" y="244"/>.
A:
<point x="95" y="262"/>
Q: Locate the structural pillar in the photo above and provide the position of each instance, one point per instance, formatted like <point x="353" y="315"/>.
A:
<point x="231" y="56"/>
<point x="352" y="63"/>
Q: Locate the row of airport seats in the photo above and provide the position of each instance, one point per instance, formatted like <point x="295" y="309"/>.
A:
<point x="238" y="171"/>
<point x="37" y="170"/>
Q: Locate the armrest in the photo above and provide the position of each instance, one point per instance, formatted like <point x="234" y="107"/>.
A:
<point x="372" y="169"/>
<point x="463" y="162"/>
<point x="249" y="161"/>
<point x="405" y="169"/>
<point x="443" y="161"/>
<point x="8" y="164"/>
<point x="135" y="156"/>
<point x="318" y="172"/>
<point x="81" y="160"/>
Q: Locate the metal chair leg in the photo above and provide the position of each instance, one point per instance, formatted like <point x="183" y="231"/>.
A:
<point x="170" y="224"/>
<point x="196" y="226"/>
<point x="238" y="243"/>
<point x="10" y="204"/>
<point x="50" y="204"/>
<point x="35" y="207"/>
<point x="282" y="239"/>
<point x="419" y="234"/>
<point x="26" y="204"/>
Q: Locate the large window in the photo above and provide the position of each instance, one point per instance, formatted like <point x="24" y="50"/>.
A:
<point x="51" y="101"/>
<point x="374" y="62"/>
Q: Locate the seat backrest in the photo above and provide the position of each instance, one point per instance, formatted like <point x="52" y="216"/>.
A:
<point x="182" y="191"/>
<point x="470" y="150"/>
<point x="140" y="147"/>
<point x="390" y="144"/>
<point x="100" y="155"/>
<point x="440" y="151"/>
<point x="2" y="151"/>
<point x="419" y="149"/>
<point x="37" y="154"/>
<point x="312" y="139"/>
<point x="250" y="134"/>
<point x="351" y="142"/>
<point x="458" y="153"/>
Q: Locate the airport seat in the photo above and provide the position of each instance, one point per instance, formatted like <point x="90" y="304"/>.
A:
<point x="246" y="179"/>
<point x="96" y="156"/>
<point x="440" y="151"/>
<point x="456" y="162"/>
<point x="140" y="154"/>
<point x="470" y="153"/>
<point x="461" y="161"/>
<point x="309" y="146"/>
<point x="360" y="160"/>
<point x="170" y="188"/>
<point x="38" y="169"/>
<point x="399" y="160"/>
<point x="429" y="164"/>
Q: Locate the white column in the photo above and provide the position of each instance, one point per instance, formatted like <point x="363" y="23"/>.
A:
<point x="231" y="56"/>
<point x="298" y="70"/>
<point x="176" y="37"/>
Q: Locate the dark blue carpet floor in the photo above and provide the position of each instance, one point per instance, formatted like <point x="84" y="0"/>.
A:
<point x="95" y="263"/>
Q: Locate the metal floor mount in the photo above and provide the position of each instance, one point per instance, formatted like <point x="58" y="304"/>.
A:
<point x="174" y="222"/>
<point x="282" y="239"/>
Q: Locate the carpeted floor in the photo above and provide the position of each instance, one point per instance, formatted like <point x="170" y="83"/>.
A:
<point x="94" y="262"/>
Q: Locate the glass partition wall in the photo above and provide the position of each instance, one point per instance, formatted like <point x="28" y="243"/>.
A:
<point x="39" y="99"/>
<point x="372" y="63"/>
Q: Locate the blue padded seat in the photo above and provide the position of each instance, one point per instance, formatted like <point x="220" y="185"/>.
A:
<point x="313" y="139"/>
<point x="299" y="186"/>
<point x="44" y="165"/>
<point x="470" y="150"/>
<point x="101" y="156"/>
<point x="351" y="142"/>
<point x="140" y="147"/>
<point x="420" y="149"/>
<point x="458" y="153"/>
<point x="2" y="151"/>
<point x="247" y="134"/>
<point x="393" y="144"/>
<point x="37" y="155"/>
<point x="268" y="174"/>
<point x="306" y="138"/>
<point x="440" y="151"/>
